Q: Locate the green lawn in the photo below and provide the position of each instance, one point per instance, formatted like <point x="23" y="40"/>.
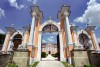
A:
<point x="66" y="65"/>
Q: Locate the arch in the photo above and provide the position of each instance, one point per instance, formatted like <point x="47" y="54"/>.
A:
<point x="49" y="22"/>
<point x="17" y="40"/>
<point x="79" y="32"/>
<point x="84" y="39"/>
<point x="17" y="32"/>
<point x="11" y="38"/>
<point x="50" y="28"/>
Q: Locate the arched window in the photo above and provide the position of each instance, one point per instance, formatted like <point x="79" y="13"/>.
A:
<point x="50" y="28"/>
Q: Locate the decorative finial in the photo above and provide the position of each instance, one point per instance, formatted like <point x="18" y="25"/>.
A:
<point x="64" y="5"/>
<point x="50" y="18"/>
<point x="88" y="24"/>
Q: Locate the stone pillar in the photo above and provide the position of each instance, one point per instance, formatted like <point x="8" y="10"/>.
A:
<point x="95" y="39"/>
<point x="67" y="30"/>
<point x="75" y="37"/>
<point x="7" y="38"/>
<point x="64" y="14"/>
<point x="68" y="35"/>
<point x="10" y="44"/>
<point x="39" y="46"/>
<point x="31" y="38"/>
<point x="90" y="29"/>
<point x="61" y="47"/>
<point x="26" y="36"/>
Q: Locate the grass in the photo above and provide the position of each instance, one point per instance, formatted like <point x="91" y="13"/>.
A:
<point x="34" y="65"/>
<point x="12" y="65"/>
<point x="65" y="64"/>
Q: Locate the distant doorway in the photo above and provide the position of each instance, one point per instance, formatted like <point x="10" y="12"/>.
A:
<point x="50" y="48"/>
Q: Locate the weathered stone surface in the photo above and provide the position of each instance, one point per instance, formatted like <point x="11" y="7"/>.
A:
<point x="4" y="59"/>
<point x="80" y="58"/>
<point x="21" y="58"/>
<point x="94" y="58"/>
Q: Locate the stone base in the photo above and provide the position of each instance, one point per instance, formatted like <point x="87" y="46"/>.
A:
<point x="4" y="60"/>
<point x="94" y="58"/>
<point x="80" y="58"/>
<point x="21" y="58"/>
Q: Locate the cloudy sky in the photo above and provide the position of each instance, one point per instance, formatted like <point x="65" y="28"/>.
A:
<point x="17" y="12"/>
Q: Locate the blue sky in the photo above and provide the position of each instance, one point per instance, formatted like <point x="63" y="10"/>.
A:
<point x="17" y="12"/>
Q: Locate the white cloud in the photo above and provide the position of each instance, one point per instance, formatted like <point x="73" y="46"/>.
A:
<point x="14" y="3"/>
<point x="59" y="23"/>
<point x="2" y="32"/>
<point x="51" y="39"/>
<point x="91" y="14"/>
<point x="2" y="13"/>
<point x="34" y="1"/>
<point x="29" y="0"/>
<point x="44" y="41"/>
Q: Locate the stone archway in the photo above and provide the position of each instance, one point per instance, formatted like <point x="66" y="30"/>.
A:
<point x="50" y="26"/>
<point x="16" y="36"/>
<point x="48" y="47"/>
<point x="17" y="40"/>
<point x="84" y="40"/>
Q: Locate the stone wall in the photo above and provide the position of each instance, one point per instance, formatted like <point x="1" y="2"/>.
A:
<point x="80" y="58"/>
<point x="21" y="58"/>
<point x="4" y="59"/>
<point x="94" y="58"/>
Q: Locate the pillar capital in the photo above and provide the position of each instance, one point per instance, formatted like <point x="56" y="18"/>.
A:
<point x="64" y="12"/>
<point x="10" y="30"/>
<point x="90" y="28"/>
<point x="35" y="12"/>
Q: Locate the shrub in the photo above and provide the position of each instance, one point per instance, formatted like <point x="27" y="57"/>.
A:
<point x="89" y="66"/>
<point x="12" y="65"/>
<point x="55" y="55"/>
<point x="2" y="37"/>
<point x="43" y="54"/>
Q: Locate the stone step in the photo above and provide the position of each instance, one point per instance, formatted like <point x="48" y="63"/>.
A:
<point x="21" y="58"/>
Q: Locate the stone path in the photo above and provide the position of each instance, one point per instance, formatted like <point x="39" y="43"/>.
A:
<point x="50" y="64"/>
<point x="49" y="57"/>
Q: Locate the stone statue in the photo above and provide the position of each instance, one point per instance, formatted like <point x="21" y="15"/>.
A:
<point x="11" y="46"/>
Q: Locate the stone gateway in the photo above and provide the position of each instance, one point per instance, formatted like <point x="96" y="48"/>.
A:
<point x="74" y="43"/>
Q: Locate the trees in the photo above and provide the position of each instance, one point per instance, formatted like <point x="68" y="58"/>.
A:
<point x="2" y="37"/>
<point x="43" y="54"/>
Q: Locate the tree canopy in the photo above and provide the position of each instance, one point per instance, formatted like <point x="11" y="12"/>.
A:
<point x="2" y="37"/>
